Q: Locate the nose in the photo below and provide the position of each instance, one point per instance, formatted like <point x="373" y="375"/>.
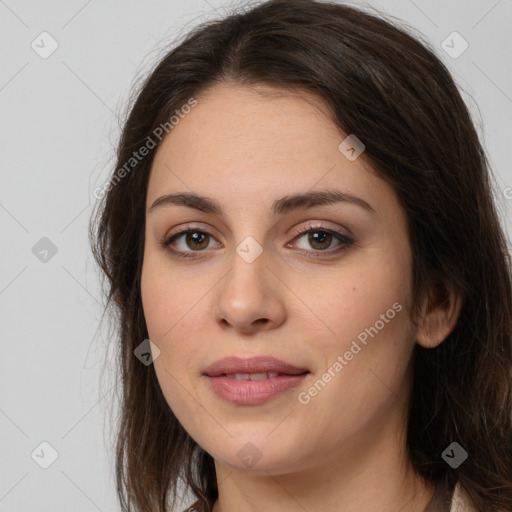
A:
<point x="250" y="298"/>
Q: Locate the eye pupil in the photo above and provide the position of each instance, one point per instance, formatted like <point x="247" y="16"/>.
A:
<point x="320" y="237"/>
<point x="194" y="236"/>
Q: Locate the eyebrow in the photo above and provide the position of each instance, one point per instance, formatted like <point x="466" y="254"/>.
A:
<point x="280" y="206"/>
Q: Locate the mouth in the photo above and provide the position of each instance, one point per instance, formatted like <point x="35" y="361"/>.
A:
<point x="256" y="367"/>
<point x="252" y="381"/>
<point x="254" y="376"/>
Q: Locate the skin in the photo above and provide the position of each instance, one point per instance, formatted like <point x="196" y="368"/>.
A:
<point x="345" y="449"/>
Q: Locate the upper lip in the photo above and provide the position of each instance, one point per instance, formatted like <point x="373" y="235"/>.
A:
<point x="230" y="365"/>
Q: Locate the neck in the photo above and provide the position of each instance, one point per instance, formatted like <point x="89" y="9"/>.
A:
<point x="318" y="490"/>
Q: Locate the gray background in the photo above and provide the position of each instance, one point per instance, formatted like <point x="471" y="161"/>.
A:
<point x="59" y="125"/>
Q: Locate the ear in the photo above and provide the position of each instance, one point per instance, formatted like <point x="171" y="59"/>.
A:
<point x="439" y="317"/>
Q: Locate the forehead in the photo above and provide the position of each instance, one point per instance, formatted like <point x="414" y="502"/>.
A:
<point x="244" y="144"/>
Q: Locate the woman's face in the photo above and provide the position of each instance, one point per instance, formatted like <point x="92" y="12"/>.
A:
<point x="330" y="304"/>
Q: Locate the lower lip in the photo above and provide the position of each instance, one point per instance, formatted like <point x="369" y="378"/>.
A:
<point x="252" y="392"/>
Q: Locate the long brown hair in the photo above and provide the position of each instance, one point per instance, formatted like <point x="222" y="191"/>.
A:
<point x="390" y="89"/>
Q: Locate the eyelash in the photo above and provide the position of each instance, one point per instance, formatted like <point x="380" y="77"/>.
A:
<point x="345" y="241"/>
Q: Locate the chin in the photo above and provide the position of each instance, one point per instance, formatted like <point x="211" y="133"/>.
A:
<point x="257" y="453"/>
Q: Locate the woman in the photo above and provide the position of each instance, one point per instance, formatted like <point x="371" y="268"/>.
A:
<point x="301" y="221"/>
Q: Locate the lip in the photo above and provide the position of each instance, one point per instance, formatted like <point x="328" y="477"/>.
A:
<point x="248" y="392"/>
<point x="259" y="364"/>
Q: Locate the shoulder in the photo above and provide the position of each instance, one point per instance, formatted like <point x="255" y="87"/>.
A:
<point x="461" y="501"/>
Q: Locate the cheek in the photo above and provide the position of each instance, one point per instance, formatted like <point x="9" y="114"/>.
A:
<point x="155" y="304"/>
<point x="165" y="311"/>
<point x="172" y="311"/>
<point x="365" y="310"/>
<point x="164" y="297"/>
<point x="356" y="298"/>
<point x="374" y="334"/>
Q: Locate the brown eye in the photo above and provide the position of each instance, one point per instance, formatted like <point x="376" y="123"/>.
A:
<point x="187" y="242"/>
<point x="319" y="239"/>
<point x="196" y="240"/>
